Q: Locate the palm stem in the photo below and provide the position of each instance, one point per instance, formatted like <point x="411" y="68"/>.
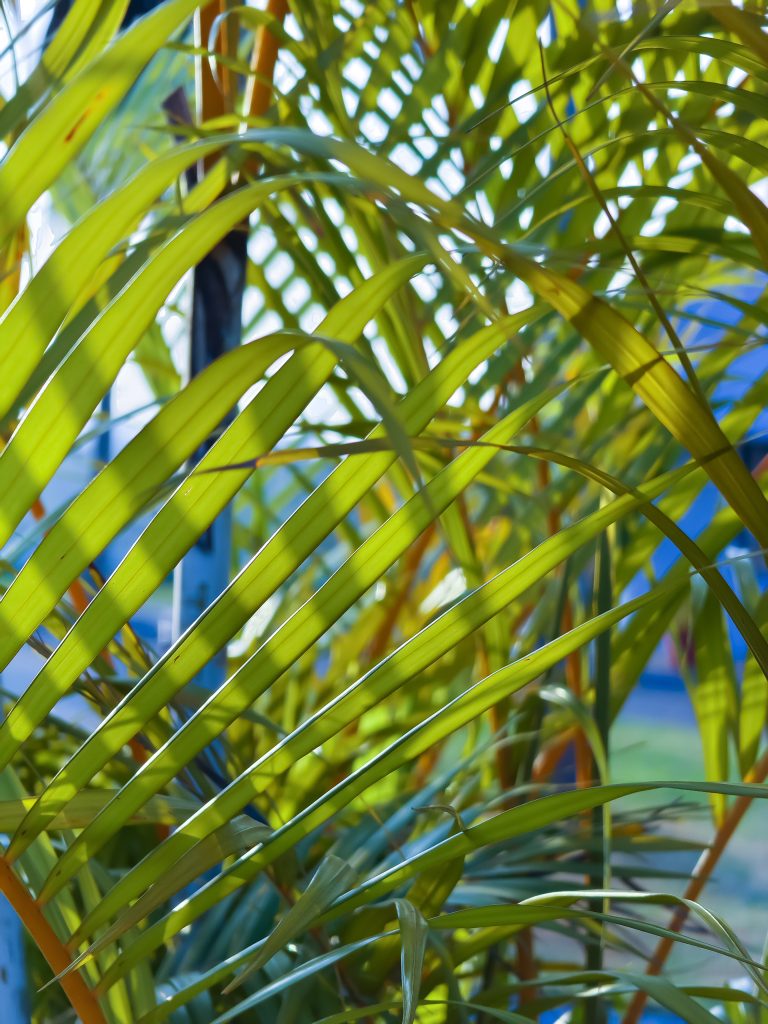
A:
<point x="78" y="993"/>
<point x="701" y="875"/>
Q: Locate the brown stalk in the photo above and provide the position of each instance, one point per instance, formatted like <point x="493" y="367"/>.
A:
<point x="214" y="91"/>
<point x="573" y="678"/>
<point x="259" y="94"/>
<point x="526" y="958"/>
<point x="707" y="862"/>
<point x="80" y="600"/>
<point x="499" y="713"/>
<point x="701" y="875"/>
<point x="381" y="639"/>
<point x="550" y="756"/>
<point x="573" y="661"/>
<point x="526" y="968"/>
<point x="80" y="996"/>
<point x="10" y="267"/>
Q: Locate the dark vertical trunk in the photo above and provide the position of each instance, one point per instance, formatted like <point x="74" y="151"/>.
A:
<point x="218" y="285"/>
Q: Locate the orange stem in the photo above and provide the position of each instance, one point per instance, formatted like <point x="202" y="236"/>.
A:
<point x="213" y="97"/>
<point x="708" y="860"/>
<point x="77" y="591"/>
<point x="701" y="874"/>
<point x="212" y="94"/>
<point x="573" y="678"/>
<point x="383" y="635"/>
<point x="263" y="61"/>
<point x="526" y="965"/>
<point x="79" y="597"/>
<point x="549" y="757"/>
<point x="78" y="993"/>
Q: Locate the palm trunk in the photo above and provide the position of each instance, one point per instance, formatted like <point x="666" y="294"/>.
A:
<point x="217" y="297"/>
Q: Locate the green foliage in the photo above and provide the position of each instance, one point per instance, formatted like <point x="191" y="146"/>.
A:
<point x="505" y="304"/>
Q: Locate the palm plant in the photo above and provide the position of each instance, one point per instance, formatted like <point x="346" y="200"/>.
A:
<point x="502" y="338"/>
